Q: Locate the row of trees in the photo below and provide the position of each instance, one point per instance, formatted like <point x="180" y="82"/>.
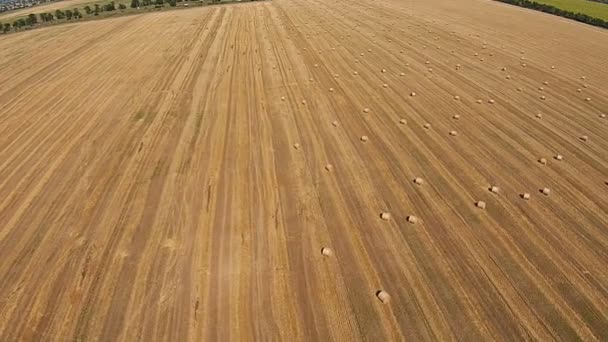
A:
<point x="156" y="3"/>
<point x="558" y="11"/>
<point x="32" y="19"/>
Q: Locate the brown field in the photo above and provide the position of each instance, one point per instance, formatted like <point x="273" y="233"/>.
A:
<point x="151" y="188"/>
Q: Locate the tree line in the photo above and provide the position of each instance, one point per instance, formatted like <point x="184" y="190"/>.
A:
<point x="74" y="14"/>
<point x="558" y="11"/>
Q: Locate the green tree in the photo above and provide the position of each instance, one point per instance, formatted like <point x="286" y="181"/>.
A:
<point x="16" y="25"/>
<point x="59" y="14"/>
<point x="76" y="13"/>
<point x="50" y="17"/>
<point x="68" y="14"/>
<point x="172" y="3"/>
<point x="88" y="9"/>
<point x="7" y="27"/>
<point x="22" y="22"/>
<point x="32" y="19"/>
<point x="159" y="2"/>
<point x="96" y="9"/>
<point x="134" y="3"/>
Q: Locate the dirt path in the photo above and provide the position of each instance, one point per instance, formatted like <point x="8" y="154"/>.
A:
<point x="151" y="187"/>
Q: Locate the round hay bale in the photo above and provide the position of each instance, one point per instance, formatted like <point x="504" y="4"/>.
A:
<point x="427" y="125"/>
<point x="385" y="216"/>
<point x="553" y="67"/>
<point x="524" y="65"/>
<point x="539" y="115"/>
<point x="427" y="62"/>
<point x="585" y="86"/>
<point x="402" y="74"/>
<point x="542" y="161"/>
<point x="479" y="101"/>
<point x="383" y="296"/>
<point x="355" y="73"/>
<point x="546" y="191"/>
<point x="541" y="88"/>
<point x="356" y="61"/>
<point x="282" y="98"/>
<point x="364" y="138"/>
<point x="543" y="97"/>
<point x="491" y="101"/>
<point x="316" y="65"/>
<point x="525" y="196"/>
<point x="546" y="83"/>
<point x="369" y="50"/>
<point x="403" y="121"/>
<point x="587" y="99"/>
<point x="559" y="157"/>
<point x="412" y="219"/>
<point x="304" y="102"/>
<point x="418" y="181"/>
<point x="336" y="75"/>
<point x="430" y="70"/>
<point x="519" y="89"/>
<point x="311" y="79"/>
<point x="383" y="70"/>
<point x="329" y="167"/>
<point x="480" y="204"/>
<point x="583" y="77"/>
<point x="366" y="110"/>
<point x="456" y="97"/>
<point x="385" y="85"/>
<point x="326" y="251"/>
<point x="494" y="189"/>
<point x="331" y="90"/>
<point x="603" y="116"/>
<point x="579" y="90"/>
<point x="335" y="123"/>
<point x="584" y="138"/>
<point x="296" y="146"/>
<point x="508" y="77"/>
<point x="475" y="54"/>
<point x="453" y="133"/>
<point x="456" y="117"/>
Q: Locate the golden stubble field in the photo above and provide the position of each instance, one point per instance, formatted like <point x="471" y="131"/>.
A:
<point x="166" y="176"/>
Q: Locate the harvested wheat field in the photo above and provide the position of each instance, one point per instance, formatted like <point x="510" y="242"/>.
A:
<point x="306" y="170"/>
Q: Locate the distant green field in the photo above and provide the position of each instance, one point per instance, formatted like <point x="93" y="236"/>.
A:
<point x="590" y="8"/>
